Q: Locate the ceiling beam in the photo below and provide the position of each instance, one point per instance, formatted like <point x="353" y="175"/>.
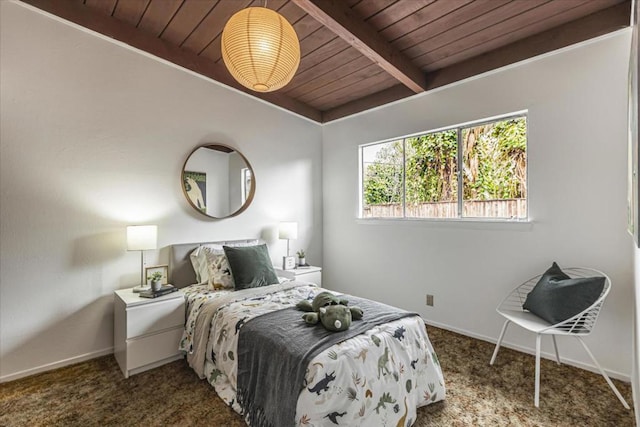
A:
<point x="594" y="25"/>
<point x="341" y="20"/>
<point x="111" y="27"/>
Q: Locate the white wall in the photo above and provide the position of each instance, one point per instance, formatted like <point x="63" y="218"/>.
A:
<point x="93" y="138"/>
<point x="635" y="380"/>
<point x="577" y="148"/>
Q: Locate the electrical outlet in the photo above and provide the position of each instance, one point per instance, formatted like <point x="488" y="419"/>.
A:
<point x="430" y="300"/>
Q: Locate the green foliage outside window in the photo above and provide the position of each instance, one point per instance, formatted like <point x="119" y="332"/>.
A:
<point x="493" y="158"/>
<point x="432" y="167"/>
<point x="383" y="178"/>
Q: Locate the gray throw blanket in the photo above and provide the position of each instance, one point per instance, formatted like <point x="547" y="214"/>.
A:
<point x="274" y="351"/>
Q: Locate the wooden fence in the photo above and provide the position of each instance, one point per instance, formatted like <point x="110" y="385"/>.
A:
<point x="504" y="208"/>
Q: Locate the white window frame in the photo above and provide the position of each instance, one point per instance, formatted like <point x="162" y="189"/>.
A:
<point x="460" y="187"/>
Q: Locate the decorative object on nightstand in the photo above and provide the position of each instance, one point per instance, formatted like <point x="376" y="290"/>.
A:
<point x="142" y="238"/>
<point x="288" y="231"/>
<point x="301" y="258"/>
<point x="159" y="271"/>
<point x="161" y="291"/>
<point x="310" y="273"/>
<point x="156" y="281"/>
<point x="147" y="331"/>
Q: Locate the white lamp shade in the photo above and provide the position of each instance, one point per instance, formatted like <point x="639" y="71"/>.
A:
<point x="142" y="237"/>
<point x="260" y="49"/>
<point x="288" y="230"/>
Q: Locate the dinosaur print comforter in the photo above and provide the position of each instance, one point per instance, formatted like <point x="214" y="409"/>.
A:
<point x="378" y="378"/>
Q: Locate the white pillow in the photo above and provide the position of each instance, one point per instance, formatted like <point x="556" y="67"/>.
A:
<point x="218" y="270"/>
<point x="202" y="275"/>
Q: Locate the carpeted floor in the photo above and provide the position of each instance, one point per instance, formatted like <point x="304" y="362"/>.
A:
<point x="95" y="393"/>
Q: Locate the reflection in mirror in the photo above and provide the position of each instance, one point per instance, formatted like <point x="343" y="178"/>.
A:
<point x="218" y="181"/>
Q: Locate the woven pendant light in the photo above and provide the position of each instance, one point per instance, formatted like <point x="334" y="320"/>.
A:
<point x="260" y="49"/>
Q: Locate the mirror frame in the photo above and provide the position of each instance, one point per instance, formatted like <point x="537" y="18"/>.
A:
<point x="226" y="148"/>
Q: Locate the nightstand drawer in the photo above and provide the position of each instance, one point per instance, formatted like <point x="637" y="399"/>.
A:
<point x="153" y="317"/>
<point x="313" y="277"/>
<point x="152" y="348"/>
<point x="311" y="274"/>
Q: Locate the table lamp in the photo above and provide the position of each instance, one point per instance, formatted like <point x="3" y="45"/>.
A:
<point x="288" y="231"/>
<point x="142" y="238"/>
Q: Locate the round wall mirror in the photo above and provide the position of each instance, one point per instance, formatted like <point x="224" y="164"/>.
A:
<point x="218" y="181"/>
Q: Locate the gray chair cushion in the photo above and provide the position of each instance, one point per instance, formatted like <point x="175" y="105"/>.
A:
<point x="557" y="297"/>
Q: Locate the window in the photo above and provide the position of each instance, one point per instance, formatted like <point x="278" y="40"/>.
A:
<point x="477" y="170"/>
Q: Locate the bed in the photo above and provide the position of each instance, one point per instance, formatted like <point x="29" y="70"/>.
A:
<point x="243" y="342"/>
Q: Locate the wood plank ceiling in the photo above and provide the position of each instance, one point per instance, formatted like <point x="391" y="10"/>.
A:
<point x="356" y="54"/>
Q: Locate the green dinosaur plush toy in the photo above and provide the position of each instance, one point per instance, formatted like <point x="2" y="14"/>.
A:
<point x="331" y="311"/>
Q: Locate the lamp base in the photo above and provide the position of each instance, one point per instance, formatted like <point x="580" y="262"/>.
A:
<point x="141" y="288"/>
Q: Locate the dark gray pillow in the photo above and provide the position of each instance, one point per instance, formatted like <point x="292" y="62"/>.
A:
<point x="251" y="266"/>
<point x="557" y="297"/>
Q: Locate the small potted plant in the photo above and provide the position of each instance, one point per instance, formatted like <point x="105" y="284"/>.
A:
<point x="156" y="281"/>
<point x="301" y="257"/>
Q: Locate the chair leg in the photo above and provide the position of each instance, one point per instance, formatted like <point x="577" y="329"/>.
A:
<point x="555" y="346"/>
<point x="536" y="399"/>
<point x="495" y="352"/>
<point x="604" y="374"/>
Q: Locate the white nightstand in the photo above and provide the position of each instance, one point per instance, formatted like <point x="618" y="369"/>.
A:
<point x="147" y="331"/>
<point x="310" y="274"/>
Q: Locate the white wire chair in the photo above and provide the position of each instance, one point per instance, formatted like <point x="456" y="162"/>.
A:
<point x="577" y="326"/>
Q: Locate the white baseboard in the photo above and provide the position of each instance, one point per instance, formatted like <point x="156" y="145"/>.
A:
<point x="56" y="365"/>
<point x="592" y="368"/>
